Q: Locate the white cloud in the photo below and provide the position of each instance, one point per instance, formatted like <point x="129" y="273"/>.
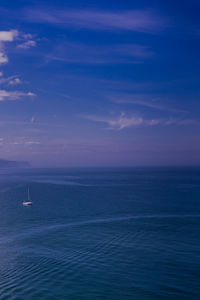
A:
<point x="153" y="122"/>
<point x="31" y="143"/>
<point x="6" y="80"/>
<point x="28" y="44"/>
<point x="3" y="58"/>
<point x="13" y="95"/>
<point x="27" y="36"/>
<point x="31" y="94"/>
<point x="15" y="81"/>
<point x="123" y="121"/>
<point x="118" y="123"/>
<point x="8" y="36"/>
<point x="25" y="143"/>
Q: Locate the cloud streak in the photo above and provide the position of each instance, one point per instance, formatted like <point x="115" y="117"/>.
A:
<point x="124" y="121"/>
<point x="14" y="95"/>
<point x="147" y="21"/>
<point x="27" y="44"/>
<point x="118" y="123"/>
<point x="87" y="54"/>
<point x="144" y="100"/>
<point x="8" y="80"/>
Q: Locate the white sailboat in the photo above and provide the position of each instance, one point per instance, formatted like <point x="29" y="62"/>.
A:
<point x="28" y="202"/>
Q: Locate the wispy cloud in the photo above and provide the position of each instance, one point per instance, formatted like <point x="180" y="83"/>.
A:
<point x="124" y="121"/>
<point x="14" y="95"/>
<point x="144" y="100"/>
<point x="88" y="54"/>
<point x="147" y="21"/>
<point x="181" y="121"/>
<point x="20" y="141"/>
<point x="26" y="143"/>
<point x="14" y="81"/>
<point x="25" y="40"/>
<point x="6" y="80"/>
<point x="117" y="123"/>
<point x="27" y="44"/>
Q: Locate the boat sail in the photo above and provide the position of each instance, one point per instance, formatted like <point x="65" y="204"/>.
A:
<point x="28" y="202"/>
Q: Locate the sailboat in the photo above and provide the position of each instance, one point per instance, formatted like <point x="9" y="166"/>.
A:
<point x="28" y="202"/>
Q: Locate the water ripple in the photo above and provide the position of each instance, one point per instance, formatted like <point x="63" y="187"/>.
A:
<point x="40" y="230"/>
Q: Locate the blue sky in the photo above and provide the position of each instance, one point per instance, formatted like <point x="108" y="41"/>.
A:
<point x="100" y="83"/>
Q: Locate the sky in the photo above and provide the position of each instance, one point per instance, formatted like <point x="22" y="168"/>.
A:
<point x="100" y="83"/>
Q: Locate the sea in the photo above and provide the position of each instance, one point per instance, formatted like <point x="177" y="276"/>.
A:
<point x="100" y="233"/>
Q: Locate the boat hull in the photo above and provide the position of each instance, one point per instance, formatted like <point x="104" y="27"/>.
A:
<point x="27" y="203"/>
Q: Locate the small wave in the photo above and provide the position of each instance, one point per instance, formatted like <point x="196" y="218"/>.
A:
<point x="60" y="182"/>
<point x="42" y="229"/>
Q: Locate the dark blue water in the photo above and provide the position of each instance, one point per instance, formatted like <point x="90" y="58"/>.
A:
<point x="100" y="234"/>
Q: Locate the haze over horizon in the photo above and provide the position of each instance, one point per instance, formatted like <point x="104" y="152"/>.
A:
<point x="100" y="83"/>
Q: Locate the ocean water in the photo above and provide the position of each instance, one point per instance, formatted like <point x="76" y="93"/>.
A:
<point x="100" y="234"/>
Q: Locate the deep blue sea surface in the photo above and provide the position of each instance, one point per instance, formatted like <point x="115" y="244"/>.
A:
<point x="100" y="234"/>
